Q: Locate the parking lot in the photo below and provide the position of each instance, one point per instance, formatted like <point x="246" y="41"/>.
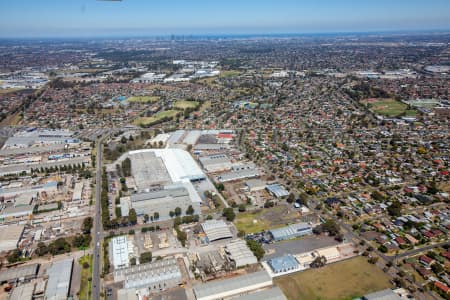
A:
<point x="301" y="245"/>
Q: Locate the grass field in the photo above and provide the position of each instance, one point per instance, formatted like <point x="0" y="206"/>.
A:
<point x="86" y="274"/>
<point x="9" y="90"/>
<point x="389" y="107"/>
<point x="155" y="118"/>
<point x="12" y="120"/>
<point x="230" y="73"/>
<point x="183" y="104"/>
<point x="264" y="219"/>
<point x="143" y="99"/>
<point x="339" y="281"/>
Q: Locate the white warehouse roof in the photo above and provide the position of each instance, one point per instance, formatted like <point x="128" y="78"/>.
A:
<point x="216" y="230"/>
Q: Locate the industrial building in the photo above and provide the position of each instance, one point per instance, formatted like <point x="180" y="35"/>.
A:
<point x="291" y="231"/>
<point x="59" y="278"/>
<point x="10" y="236"/>
<point x="156" y="276"/>
<point x="235" y="286"/>
<point x="255" y="185"/>
<point x="277" y="190"/>
<point x="386" y="294"/>
<point x="283" y="264"/>
<point x="12" y="212"/>
<point x="238" y="175"/>
<point x="121" y="249"/>
<point x="273" y="293"/>
<point x="21" y="273"/>
<point x="215" y="163"/>
<point x="23" y="292"/>
<point x="238" y="252"/>
<point x="216" y="230"/>
<point x="162" y="201"/>
<point x="25" y="139"/>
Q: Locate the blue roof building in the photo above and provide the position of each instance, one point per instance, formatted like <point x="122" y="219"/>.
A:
<point x="277" y="190"/>
<point x="283" y="263"/>
<point x="291" y="231"/>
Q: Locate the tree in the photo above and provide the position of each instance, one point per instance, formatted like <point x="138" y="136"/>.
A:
<point x="291" y="198"/>
<point x="133" y="261"/>
<point x="145" y="257"/>
<point x="177" y="211"/>
<point x="229" y="214"/>
<point x="132" y="217"/>
<point x="146" y="218"/>
<point x="190" y="210"/>
<point x="126" y="167"/>
<point x="171" y="214"/>
<point x="383" y="249"/>
<point x="81" y="241"/>
<point x="14" y="256"/>
<point x="318" y="262"/>
<point x="87" y="225"/>
<point x="256" y="248"/>
<point x="156" y="216"/>
<point x="242" y="208"/>
<point x="395" y="208"/>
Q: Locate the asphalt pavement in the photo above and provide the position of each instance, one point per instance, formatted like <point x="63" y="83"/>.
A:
<point x="97" y="225"/>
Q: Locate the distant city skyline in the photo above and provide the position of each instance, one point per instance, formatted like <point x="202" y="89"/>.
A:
<point x="91" y="18"/>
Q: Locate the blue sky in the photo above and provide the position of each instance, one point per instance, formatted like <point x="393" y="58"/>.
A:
<point x="59" y="18"/>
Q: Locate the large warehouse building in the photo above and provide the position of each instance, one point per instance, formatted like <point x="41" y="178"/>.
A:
<point x="59" y="278"/>
<point x="164" y="179"/>
<point x="291" y="231"/>
<point x="10" y="236"/>
<point x="235" y="286"/>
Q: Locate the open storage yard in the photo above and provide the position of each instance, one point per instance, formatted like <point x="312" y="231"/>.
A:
<point x="343" y="280"/>
<point x="259" y="220"/>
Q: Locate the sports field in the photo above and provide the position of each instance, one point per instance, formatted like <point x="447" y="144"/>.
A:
<point x="389" y="107"/>
<point x="344" y="280"/>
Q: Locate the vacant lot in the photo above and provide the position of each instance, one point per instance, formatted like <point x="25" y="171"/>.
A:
<point x="230" y="73"/>
<point x="143" y="99"/>
<point x="264" y="219"/>
<point x="183" y="104"/>
<point x="156" y="118"/>
<point x="339" y="281"/>
<point x="389" y="107"/>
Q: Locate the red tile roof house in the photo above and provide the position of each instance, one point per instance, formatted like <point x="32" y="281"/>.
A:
<point x="442" y="287"/>
<point x="425" y="260"/>
<point x="400" y="240"/>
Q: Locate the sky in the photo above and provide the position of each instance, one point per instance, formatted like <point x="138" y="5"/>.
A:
<point x="85" y="18"/>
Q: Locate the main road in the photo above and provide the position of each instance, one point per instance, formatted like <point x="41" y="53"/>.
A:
<point x="97" y="224"/>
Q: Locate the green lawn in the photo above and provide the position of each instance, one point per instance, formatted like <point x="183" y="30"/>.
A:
<point x="143" y="99"/>
<point x="86" y="275"/>
<point x="347" y="279"/>
<point x="183" y="104"/>
<point x="230" y="73"/>
<point x="155" y="118"/>
<point x="264" y="219"/>
<point x="389" y="108"/>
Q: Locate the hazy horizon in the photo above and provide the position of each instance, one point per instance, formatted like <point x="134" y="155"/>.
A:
<point x="135" y="18"/>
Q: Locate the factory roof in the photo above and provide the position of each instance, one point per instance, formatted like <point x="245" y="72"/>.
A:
<point x="59" y="276"/>
<point x="286" y="262"/>
<point x="216" y="230"/>
<point x="274" y="293"/>
<point x="386" y="294"/>
<point x="290" y="230"/>
<point x="277" y="190"/>
<point x="240" y="253"/>
<point x="18" y="211"/>
<point x="148" y="170"/>
<point x="120" y="251"/>
<point x="232" y="286"/>
<point x="214" y="159"/>
<point x="10" y="236"/>
<point x="237" y="175"/>
<point x="23" y="292"/>
<point x="24" y="271"/>
<point x="179" y="164"/>
<point x="149" y="273"/>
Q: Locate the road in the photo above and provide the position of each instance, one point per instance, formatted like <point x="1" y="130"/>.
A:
<point x="97" y="224"/>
